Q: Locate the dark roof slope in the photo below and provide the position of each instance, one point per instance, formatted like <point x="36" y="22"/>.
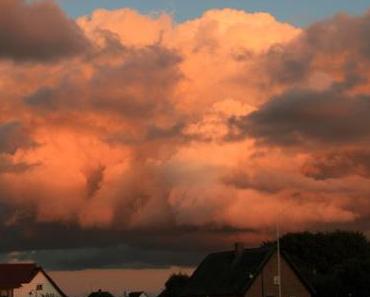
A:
<point x="14" y="275"/>
<point x="225" y="274"/>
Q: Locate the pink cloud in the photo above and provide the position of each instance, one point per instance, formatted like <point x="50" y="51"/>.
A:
<point x="203" y="123"/>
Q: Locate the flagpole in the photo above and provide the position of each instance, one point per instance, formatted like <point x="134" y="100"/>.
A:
<point x="278" y="256"/>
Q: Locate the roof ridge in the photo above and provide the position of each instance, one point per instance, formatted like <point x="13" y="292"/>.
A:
<point x="61" y="292"/>
<point x="267" y="248"/>
<point x="231" y="277"/>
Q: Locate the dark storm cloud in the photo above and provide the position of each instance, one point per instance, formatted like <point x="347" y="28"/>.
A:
<point x="286" y="64"/>
<point x="307" y="117"/>
<point x="149" y="75"/>
<point x="139" y="86"/>
<point x="342" y="34"/>
<point x="26" y="234"/>
<point x="120" y="256"/>
<point x="94" y="179"/>
<point x="12" y="137"/>
<point x="37" y="31"/>
<point x="76" y="248"/>
<point x="330" y="45"/>
<point x="43" y="97"/>
<point x="163" y="133"/>
<point x="337" y="164"/>
<point x="263" y="181"/>
<point x="337" y="49"/>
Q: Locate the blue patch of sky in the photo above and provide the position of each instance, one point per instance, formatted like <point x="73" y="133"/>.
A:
<point x="298" y="12"/>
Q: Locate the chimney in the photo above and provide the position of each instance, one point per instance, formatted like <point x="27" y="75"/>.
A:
<point x="238" y="249"/>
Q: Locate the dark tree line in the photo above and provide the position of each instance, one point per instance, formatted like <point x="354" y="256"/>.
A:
<point x="175" y="283"/>
<point x="337" y="264"/>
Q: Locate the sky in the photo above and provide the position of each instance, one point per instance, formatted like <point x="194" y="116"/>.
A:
<point x="300" y="13"/>
<point x="136" y="139"/>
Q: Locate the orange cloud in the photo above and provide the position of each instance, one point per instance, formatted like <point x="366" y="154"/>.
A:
<point x="165" y="125"/>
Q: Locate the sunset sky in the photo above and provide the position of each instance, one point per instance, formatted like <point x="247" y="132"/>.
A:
<point x="137" y="136"/>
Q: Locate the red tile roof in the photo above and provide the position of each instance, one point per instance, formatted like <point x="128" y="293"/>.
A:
<point x="14" y="275"/>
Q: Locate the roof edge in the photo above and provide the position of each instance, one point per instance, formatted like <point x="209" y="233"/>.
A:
<point x="291" y="264"/>
<point x="259" y="269"/>
<point x="304" y="281"/>
<point x="52" y="282"/>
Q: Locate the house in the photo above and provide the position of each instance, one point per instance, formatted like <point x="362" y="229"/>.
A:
<point x="27" y="280"/>
<point x="137" y="294"/>
<point x="246" y="273"/>
<point x="100" y="293"/>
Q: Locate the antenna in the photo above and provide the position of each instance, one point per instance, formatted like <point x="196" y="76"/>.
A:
<point x="278" y="257"/>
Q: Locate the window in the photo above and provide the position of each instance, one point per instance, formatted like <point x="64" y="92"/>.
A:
<point x="39" y="287"/>
<point x="276" y="280"/>
<point x="4" y="293"/>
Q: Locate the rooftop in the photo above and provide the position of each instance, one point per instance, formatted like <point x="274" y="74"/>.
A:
<point x="14" y="275"/>
<point x="227" y="273"/>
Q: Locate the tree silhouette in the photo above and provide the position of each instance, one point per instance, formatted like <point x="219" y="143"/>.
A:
<point x="336" y="263"/>
<point x="175" y="283"/>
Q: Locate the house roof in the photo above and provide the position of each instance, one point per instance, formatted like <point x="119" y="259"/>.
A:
<point x="135" y="294"/>
<point x="13" y="275"/>
<point x="163" y="293"/>
<point x="225" y="274"/>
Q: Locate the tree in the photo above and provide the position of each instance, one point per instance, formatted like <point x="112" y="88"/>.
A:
<point x="175" y="283"/>
<point x="100" y="293"/>
<point x="337" y="263"/>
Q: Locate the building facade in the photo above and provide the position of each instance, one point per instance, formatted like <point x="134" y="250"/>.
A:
<point x="266" y="282"/>
<point x="247" y="273"/>
<point x="27" y="280"/>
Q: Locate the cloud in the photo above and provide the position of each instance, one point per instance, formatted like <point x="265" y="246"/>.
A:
<point x="106" y="257"/>
<point x="37" y="31"/>
<point x="338" y="164"/>
<point x="13" y="137"/>
<point x="262" y="181"/>
<point x="94" y="179"/>
<point x="307" y="117"/>
<point x="201" y="131"/>
<point x="138" y="85"/>
<point x="8" y="166"/>
<point x="324" y="51"/>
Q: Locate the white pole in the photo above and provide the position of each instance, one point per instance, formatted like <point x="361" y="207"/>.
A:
<point x="278" y="257"/>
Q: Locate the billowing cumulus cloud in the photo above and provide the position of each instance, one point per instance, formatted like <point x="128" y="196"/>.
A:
<point x="37" y="30"/>
<point x="206" y="131"/>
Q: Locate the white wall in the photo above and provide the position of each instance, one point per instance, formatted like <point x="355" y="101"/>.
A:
<point x="48" y="289"/>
